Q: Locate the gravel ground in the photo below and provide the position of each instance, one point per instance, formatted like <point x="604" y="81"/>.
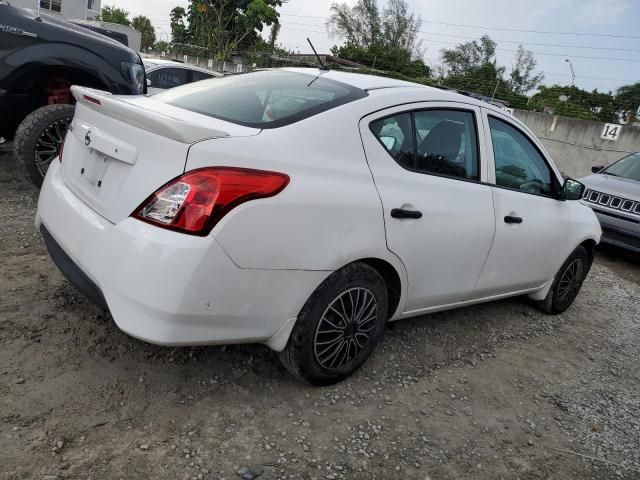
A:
<point x="492" y="391"/>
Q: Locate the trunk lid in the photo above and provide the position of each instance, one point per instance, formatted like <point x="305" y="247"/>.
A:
<point x="120" y="149"/>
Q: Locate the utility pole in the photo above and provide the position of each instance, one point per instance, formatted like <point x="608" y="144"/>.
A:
<point x="573" y="73"/>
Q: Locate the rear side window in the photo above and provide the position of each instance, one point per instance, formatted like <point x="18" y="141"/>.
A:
<point x="168" y="77"/>
<point x="440" y="142"/>
<point x="266" y="99"/>
<point x="198" y="75"/>
<point x="395" y="134"/>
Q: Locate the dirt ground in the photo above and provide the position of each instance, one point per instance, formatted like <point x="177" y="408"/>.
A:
<point x="492" y="391"/>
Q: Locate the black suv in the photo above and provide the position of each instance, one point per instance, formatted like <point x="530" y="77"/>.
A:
<point x="40" y="58"/>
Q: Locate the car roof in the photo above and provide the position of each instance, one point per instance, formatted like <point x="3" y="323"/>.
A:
<point x="376" y="82"/>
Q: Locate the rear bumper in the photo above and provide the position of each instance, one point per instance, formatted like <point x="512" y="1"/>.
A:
<point x="165" y="287"/>
<point x="70" y="270"/>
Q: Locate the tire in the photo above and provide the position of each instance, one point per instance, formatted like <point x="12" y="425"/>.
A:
<point x="39" y="138"/>
<point x="567" y="282"/>
<point x="317" y="352"/>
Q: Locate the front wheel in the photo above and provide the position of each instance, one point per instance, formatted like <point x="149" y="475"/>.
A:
<point x="567" y="283"/>
<point x="39" y="139"/>
<point x="338" y="327"/>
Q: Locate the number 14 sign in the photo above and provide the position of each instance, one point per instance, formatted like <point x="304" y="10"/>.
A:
<point x="611" y="131"/>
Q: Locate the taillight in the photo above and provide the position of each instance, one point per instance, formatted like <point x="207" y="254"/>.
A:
<point x="61" y="150"/>
<point x="194" y="202"/>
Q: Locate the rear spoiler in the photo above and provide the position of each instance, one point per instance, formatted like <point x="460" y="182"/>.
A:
<point x="135" y="114"/>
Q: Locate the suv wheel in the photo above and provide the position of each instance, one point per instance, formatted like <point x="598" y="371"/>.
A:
<point x="39" y="138"/>
<point x="567" y="282"/>
<point x="338" y="327"/>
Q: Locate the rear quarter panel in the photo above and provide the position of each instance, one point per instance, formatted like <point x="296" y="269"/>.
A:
<point x="329" y="214"/>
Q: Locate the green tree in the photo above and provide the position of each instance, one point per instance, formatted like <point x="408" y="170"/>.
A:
<point x="472" y="67"/>
<point x="227" y="25"/>
<point x="178" y="28"/>
<point x="144" y="26"/>
<point x="522" y="78"/>
<point x="575" y="102"/>
<point x="359" y="26"/>
<point x="468" y="56"/>
<point x="386" y="41"/>
<point x="113" y="14"/>
<point x="161" y="46"/>
<point x="273" y="34"/>
<point x="628" y="102"/>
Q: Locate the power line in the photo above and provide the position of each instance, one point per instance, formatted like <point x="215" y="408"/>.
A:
<point x="542" y="32"/>
<point x="550" y="54"/>
<point x="589" y="47"/>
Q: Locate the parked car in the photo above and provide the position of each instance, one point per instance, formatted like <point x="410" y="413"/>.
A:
<point x="202" y="215"/>
<point x="40" y="58"/>
<point x="163" y="74"/>
<point x="614" y="195"/>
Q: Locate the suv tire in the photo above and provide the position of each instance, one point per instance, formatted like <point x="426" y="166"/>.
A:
<point x="338" y="327"/>
<point x="39" y="138"/>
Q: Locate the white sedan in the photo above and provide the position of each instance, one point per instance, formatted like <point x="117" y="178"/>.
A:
<point x="304" y="209"/>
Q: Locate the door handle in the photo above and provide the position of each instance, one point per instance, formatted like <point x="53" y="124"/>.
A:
<point x="510" y="219"/>
<point x="402" y="213"/>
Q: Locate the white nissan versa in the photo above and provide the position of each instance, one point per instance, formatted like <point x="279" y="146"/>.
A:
<point x="304" y="209"/>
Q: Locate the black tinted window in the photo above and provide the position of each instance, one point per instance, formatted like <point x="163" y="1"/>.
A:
<point x="518" y="163"/>
<point x="447" y="143"/>
<point x="441" y="142"/>
<point x="265" y="99"/>
<point x="168" y="77"/>
<point x="197" y="76"/>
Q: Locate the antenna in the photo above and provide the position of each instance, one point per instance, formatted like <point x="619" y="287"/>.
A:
<point x="322" y="65"/>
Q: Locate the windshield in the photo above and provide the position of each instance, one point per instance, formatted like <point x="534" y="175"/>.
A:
<point x="264" y="99"/>
<point x="628" y="167"/>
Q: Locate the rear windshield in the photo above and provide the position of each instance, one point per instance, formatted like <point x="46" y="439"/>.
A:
<point x="265" y="99"/>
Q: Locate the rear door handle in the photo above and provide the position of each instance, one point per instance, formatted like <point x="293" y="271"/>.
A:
<point x="510" y="219"/>
<point x="402" y="213"/>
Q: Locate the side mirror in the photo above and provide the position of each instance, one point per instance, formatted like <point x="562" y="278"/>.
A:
<point x="572" y="189"/>
<point x="148" y="82"/>
<point x="596" y="169"/>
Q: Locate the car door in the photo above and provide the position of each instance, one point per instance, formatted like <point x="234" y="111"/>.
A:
<point x="531" y="220"/>
<point x="428" y="165"/>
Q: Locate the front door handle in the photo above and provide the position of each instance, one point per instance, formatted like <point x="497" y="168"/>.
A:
<point x="402" y="213"/>
<point x="510" y="219"/>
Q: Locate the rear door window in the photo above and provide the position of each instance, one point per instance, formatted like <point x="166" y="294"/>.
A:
<point x="447" y="143"/>
<point x="264" y="99"/>
<point x="438" y="141"/>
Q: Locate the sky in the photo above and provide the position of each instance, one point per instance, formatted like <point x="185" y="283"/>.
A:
<point x="600" y="37"/>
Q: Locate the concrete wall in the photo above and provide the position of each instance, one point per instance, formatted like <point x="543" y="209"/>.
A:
<point x="575" y="145"/>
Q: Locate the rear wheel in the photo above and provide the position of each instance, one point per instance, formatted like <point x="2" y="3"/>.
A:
<point x="338" y="327"/>
<point x="567" y="283"/>
<point x="39" y="138"/>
